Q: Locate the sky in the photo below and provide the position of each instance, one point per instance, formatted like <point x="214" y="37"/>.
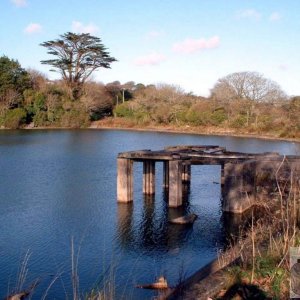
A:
<point x="190" y="43"/>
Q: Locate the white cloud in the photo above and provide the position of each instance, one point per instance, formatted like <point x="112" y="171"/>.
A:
<point x="19" y="3"/>
<point x="249" y="14"/>
<point x="275" y="16"/>
<point x="150" y="59"/>
<point x="33" y="28"/>
<point x="81" y="28"/>
<point x="194" y="45"/>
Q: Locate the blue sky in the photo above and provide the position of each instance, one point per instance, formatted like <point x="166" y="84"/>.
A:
<point x="188" y="43"/>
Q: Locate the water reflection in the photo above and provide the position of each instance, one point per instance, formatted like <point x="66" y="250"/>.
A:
<point x="125" y="220"/>
<point x="152" y="230"/>
<point x="147" y="225"/>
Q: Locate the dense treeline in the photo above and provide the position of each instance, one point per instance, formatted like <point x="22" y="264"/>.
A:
<point x="28" y="98"/>
<point x="166" y="105"/>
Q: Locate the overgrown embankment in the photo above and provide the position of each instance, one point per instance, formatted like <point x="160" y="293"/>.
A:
<point x="260" y="261"/>
<point x="166" y="106"/>
<point x="128" y="124"/>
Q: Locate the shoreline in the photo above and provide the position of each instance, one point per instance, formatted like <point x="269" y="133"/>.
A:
<point x="192" y="131"/>
<point x="96" y="125"/>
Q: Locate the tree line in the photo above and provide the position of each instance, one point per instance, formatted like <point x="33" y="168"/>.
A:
<point x="242" y="101"/>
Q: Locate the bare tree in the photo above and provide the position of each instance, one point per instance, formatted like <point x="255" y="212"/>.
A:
<point x="114" y="89"/>
<point x="38" y="79"/>
<point x="77" y="56"/>
<point x="249" y="86"/>
<point x="97" y="99"/>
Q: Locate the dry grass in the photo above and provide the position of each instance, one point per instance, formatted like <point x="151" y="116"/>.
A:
<point x="265" y="250"/>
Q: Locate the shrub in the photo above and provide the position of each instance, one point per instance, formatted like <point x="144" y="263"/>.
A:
<point x="75" y="118"/>
<point x="193" y="117"/>
<point x="142" y="117"/>
<point x="15" y="118"/>
<point x="181" y="116"/>
<point x="40" y="119"/>
<point x="54" y="116"/>
<point x="218" y="117"/>
<point x="162" y="114"/>
<point x="123" y="110"/>
<point x="239" y="121"/>
<point x="34" y="101"/>
<point x="265" y="122"/>
<point x="39" y="102"/>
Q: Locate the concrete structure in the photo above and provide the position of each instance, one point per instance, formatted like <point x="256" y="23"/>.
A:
<point x="238" y="172"/>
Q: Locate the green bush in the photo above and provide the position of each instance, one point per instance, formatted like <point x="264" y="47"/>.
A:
<point x="142" y="117"/>
<point x="265" y="122"/>
<point x="181" y="116"/>
<point x="239" y="121"/>
<point x="124" y="111"/>
<point x="194" y="117"/>
<point x="40" y="119"/>
<point x="218" y="117"/>
<point x="34" y="102"/>
<point x="162" y="114"/>
<point x="39" y="102"/>
<point x="75" y="119"/>
<point x="54" y="116"/>
<point x="15" y="118"/>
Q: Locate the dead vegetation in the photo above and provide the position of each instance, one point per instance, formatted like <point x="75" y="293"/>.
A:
<point x="264" y="264"/>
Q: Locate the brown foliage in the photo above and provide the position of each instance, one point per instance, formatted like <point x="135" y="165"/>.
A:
<point x="97" y="100"/>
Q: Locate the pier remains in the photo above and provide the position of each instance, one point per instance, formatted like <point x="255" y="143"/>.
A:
<point x="239" y="172"/>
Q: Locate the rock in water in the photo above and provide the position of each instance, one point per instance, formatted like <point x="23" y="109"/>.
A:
<point x="188" y="219"/>
<point x="160" y="284"/>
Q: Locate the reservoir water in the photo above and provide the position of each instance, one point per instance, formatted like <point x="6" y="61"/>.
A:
<point x="56" y="186"/>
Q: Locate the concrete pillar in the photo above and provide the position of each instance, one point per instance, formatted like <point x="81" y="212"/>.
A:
<point x="166" y="174"/>
<point x="124" y="180"/>
<point x="282" y="173"/>
<point x="239" y="186"/>
<point x="175" y="183"/>
<point x="222" y="174"/>
<point x="149" y="177"/>
<point x="186" y="180"/>
<point x="186" y="173"/>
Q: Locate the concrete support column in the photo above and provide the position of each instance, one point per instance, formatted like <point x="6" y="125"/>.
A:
<point x="149" y="177"/>
<point x="222" y="174"/>
<point x="166" y="174"/>
<point x="239" y="186"/>
<point x="186" y="180"/>
<point x="124" y="180"/>
<point x="175" y="183"/>
<point x="186" y="173"/>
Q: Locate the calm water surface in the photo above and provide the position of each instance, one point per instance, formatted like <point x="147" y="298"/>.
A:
<point x="59" y="185"/>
